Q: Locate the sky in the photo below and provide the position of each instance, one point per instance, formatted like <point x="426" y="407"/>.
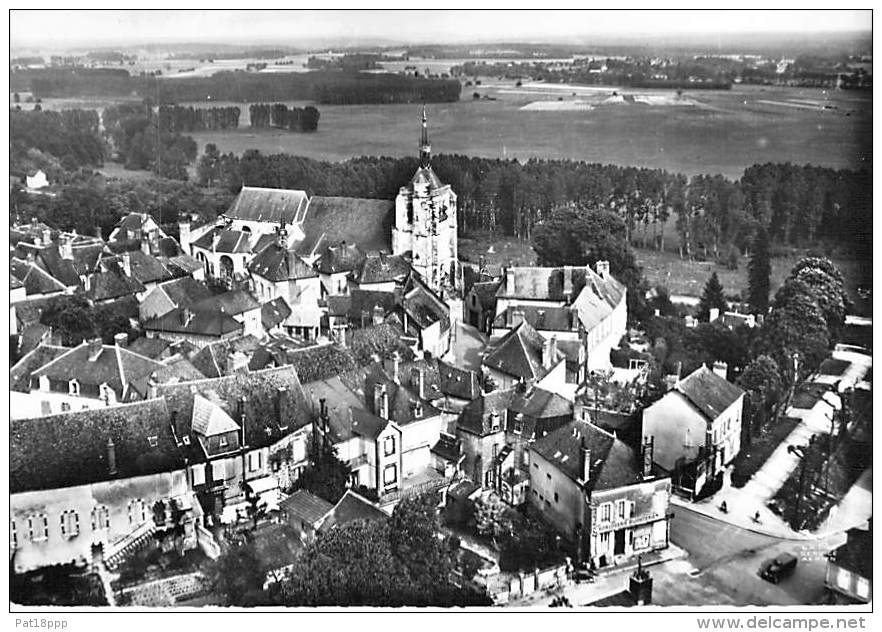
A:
<point x="63" y="28"/>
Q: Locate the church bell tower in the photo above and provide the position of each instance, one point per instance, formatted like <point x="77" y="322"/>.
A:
<point x="425" y="222"/>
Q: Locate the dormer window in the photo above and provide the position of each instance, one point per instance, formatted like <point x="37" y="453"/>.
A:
<point x="223" y="441"/>
<point x="73" y="387"/>
<point x="153" y="441"/>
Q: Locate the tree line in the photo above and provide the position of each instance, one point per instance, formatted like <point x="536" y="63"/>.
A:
<point x="714" y="216"/>
<point x="70" y="136"/>
<point x="141" y="141"/>
<point x="177" y="118"/>
<point x="332" y="87"/>
<point x="281" y="116"/>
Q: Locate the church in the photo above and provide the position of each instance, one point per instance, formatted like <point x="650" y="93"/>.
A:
<point x="419" y="226"/>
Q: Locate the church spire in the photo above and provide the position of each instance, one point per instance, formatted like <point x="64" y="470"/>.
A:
<point x="425" y="147"/>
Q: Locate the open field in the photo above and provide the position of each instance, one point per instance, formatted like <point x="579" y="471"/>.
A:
<point x="700" y="132"/>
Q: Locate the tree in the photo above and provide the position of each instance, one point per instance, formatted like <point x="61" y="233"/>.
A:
<point x="828" y="285"/>
<point x="711" y="297"/>
<point x="71" y="318"/>
<point x="326" y="476"/>
<point x="758" y="272"/>
<point x="413" y="536"/>
<point x="762" y="381"/>
<point x="490" y="517"/>
<point x="238" y="576"/>
<point x="796" y="325"/>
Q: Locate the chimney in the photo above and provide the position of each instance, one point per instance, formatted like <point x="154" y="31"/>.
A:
<point x="38" y="241"/>
<point x="283" y="237"/>
<point x="145" y="244"/>
<point x="714" y="313"/>
<point x="126" y="260"/>
<point x="509" y="282"/>
<point x="549" y="352"/>
<point x="184" y="236"/>
<point x="381" y="401"/>
<point x="384" y="264"/>
<point x="396" y="365"/>
<point x="121" y="340"/>
<point x="186" y="316"/>
<point x="95" y="348"/>
<point x="648" y="445"/>
<point x="517" y="317"/>
<point x="215" y="240"/>
<point x="721" y="369"/>
<point x="86" y="280"/>
<point x="584" y="461"/>
<point x="568" y="284"/>
<point x="421" y="382"/>
<point x="281" y="393"/>
<point x="111" y="457"/>
<point x="152" y="383"/>
<point x="65" y="248"/>
<point x="47" y="237"/>
<point x="602" y="269"/>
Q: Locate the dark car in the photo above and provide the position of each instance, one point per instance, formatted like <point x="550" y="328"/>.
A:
<point x="782" y="566"/>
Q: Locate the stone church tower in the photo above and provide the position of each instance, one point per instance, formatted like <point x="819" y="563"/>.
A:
<point x="425" y="223"/>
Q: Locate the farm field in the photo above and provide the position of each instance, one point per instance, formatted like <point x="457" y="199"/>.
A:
<point x="698" y="132"/>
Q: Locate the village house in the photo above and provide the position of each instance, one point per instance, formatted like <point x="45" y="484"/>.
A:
<point x="598" y="492"/>
<point x="335" y="266"/>
<point x="849" y="576"/>
<point x="84" y="485"/>
<point x="425" y="316"/>
<point x="480" y="305"/>
<point x="90" y="375"/>
<point x="523" y="354"/>
<point x="196" y="328"/>
<point x="178" y="293"/>
<point x="696" y="428"/>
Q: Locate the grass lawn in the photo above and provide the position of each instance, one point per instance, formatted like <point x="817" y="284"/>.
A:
<point x="832" y="366"/>
<point x="807" y="395"/>
<point x="751" y="459"/>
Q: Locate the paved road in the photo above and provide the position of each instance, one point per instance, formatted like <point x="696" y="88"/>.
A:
<point x="722" y="566"/>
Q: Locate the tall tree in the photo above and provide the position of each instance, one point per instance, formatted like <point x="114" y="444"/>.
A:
<point x="762" y="381"/>
<point x="711" y="297"/>
<point x="759" y="271"/>
<point x="828" y="285"/>
<point x="326" y="476"/>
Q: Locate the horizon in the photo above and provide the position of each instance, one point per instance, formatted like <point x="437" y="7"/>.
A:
<point x="70" y="30"/>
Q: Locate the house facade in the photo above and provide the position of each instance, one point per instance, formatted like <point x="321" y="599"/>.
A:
<point x="696" y="428"/>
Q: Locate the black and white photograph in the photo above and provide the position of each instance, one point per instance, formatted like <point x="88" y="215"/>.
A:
<point x="441" y="310"/>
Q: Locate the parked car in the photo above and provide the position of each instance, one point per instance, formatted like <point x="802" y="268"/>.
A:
<point x="775" y="569"/>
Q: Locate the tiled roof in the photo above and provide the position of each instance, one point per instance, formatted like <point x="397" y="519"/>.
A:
<point x="115" y="366"/>
<point x="258" y="204"/>
<point x="352" y="507"/>
<point x="457" y="382"/>
<point x="178" y="370"/>
<point x="475" y="417"/>
<point x="402" y="398"/>
<point x="234" y="302"/>
<point x="108" y="285"/>
<point x="305" y="506"/>
<point x="856" y="555"/>
<point x="608" y="288"/>
<point x="35" y="280"/>
<point x="360" y="305"/>
<point x="63" y="270"/>
<point x="270" y="413"/>
<point x="708" y="392"/>
<point x="228" y="241"/>
<point x="20" y="374"/>
<point x="424" y="307"/>
<point x="320" y="362"/>
<point x="542" y="318"/>
<point x="32" y="335"/>
<point x="364" y="424"/>
<point x="448" y="448"/>
<point x="194" y="323"/>
<point x="274" y="312"/>
<point x="340" y="258"/>
<point x="339" y="399"/>
<point x="71" y="448"/>
<point x="29" y="312"/>
<point x="426" y="175"/>
<point x="278" y="264"/>
<point x="185" y="291"/>
<point x="519" y="353"/>
<point x="486" y="293"/>
<point x="180" y="265"/>
<point x="537" y="403"/>
<point x="14" y="283"/>
<point x="535" y="283"/>
<point x="149" y="347"/>
<point x="613" y="464"/>
<point x="361" y="221"/>
<point x="378" y="267"/>
<point x="210" y="419"/>
<point x="145" y="268"/>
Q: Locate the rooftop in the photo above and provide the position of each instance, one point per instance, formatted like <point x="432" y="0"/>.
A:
<point x="352" y="507"/>
<point x="361" y="221"/>
<point x="259" y="204"/>
<point x="708" y="392"/>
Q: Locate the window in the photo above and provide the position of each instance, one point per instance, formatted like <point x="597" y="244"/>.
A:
<point x="518" y="423"/>
<point x="687" y="440"/>
<point x="38" y="527"/>
<point x="641" y="541"/>
<point x="198" y="474"/>
<point x="70" y="524"/>
<point x="137" y="512"/>
<point x="605" y="511"/>
<point x="390" y="474"/>
<point x="843" y="579"/>
<point x="254" y="461"/>
<point x="223" y="441"/>
<point x="525" y="456"/>
<point x="389" y="446"/>
<point x="548" y="476"/>
<point x="604" y="541"/>
<point x="863" y="588"/>
<point x="556" y="497"/>
<point x="73" y="387"/>
<point x="620" y="509"/>
<point x="100" y="518"/>
<point x="13" y="535"/>
<point x="65" y="407"/>
<point x="536" y="465"/>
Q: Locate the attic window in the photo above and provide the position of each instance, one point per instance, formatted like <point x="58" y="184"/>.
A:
<point x="186" y="440"/>
<point x="153" y="440"/>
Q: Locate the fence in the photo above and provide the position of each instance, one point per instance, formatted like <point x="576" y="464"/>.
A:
<point x="164" y="592"/>
<point x="525" y="584"/>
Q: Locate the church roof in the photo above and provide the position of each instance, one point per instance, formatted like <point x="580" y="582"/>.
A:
<point x="364" y="222"/>
<point x="426" y="175"/>
<point x="258" y="204"/>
